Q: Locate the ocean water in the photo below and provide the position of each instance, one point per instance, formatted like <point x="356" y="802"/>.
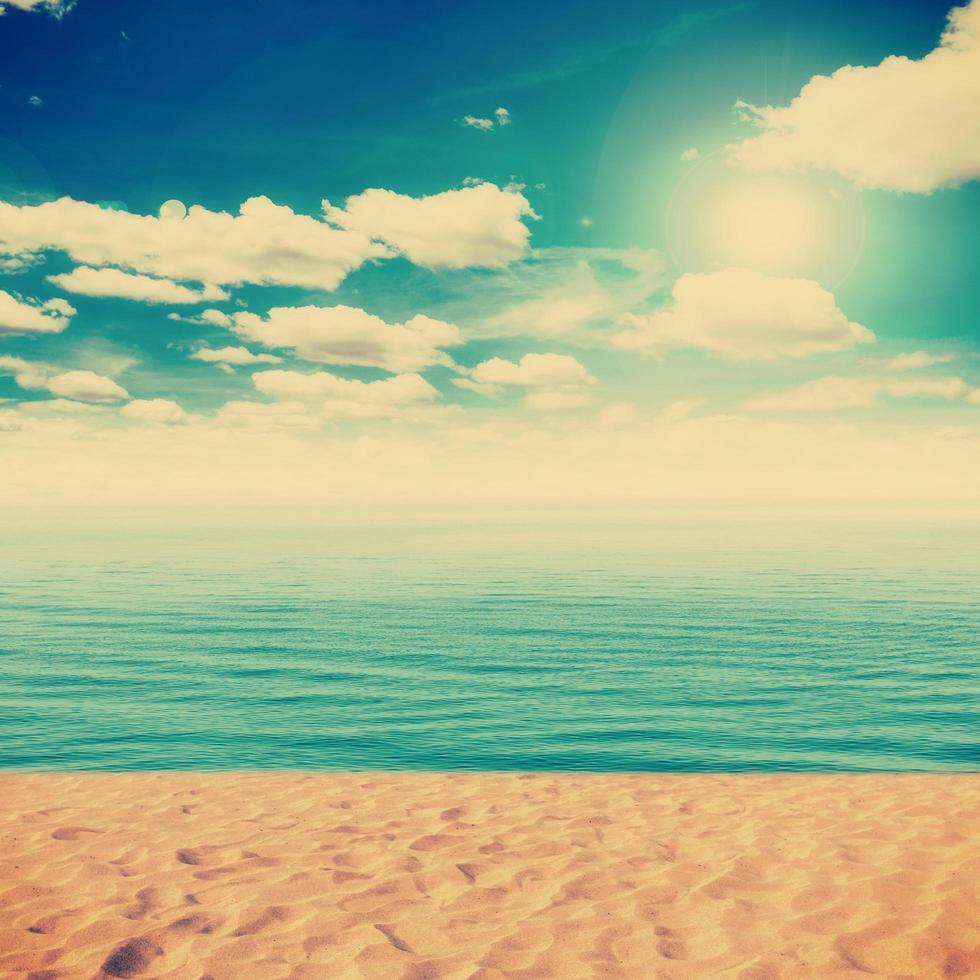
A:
<point x="707" y="646"/>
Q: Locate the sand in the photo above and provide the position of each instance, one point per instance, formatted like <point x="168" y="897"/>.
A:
<point x="416" y="876"/>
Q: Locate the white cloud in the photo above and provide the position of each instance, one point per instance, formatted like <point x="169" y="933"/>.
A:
<point x="558" y="381"/>
<point x="744" y="315"/>
<point x="348" y="335"/>
<point x="236" y="356"/>
<point x="17" y="316"/>
<point x="501" y="117"/>
<point x="263" y="243"/>
<point x="903" y="125"/>
<point x="56" y="8"/>
<point x="479" y="225"/>
<point x="158" y="411"/>
<point x="691" y="154"/>
<point x="30" y="375"/>
<point x="833" y="394"/>
<point x="533" y="370"/>
<point x="917" y="359"/>
<point x="266" y="243"/>
<point x="126" y="285"/>
<point x="85" y="386"/>
<point x="63" y="407"/>
<point x="336" y="397"/>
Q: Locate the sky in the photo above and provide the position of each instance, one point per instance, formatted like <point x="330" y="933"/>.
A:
<point x="294" y="255"/>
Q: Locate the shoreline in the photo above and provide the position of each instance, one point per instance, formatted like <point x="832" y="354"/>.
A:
<point x="420" y="875"/>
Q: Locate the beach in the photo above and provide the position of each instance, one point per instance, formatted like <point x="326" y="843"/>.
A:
<point x="433" y="875"/>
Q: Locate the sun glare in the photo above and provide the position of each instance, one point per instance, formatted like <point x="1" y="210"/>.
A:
<point x="766" y="223"/>
<point x="782" y="225"/>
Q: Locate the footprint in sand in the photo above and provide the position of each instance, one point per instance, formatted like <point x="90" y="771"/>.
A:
<point x="132" y="958"/>
<point x="146" y="901"/>
<point x="72" y="833"/>
<point x="197" y="922"/>
<point x="274" y="913"/>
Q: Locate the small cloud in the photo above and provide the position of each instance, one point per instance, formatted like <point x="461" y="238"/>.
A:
<point x="32" y="316"/>
<point x="501" y="118"/>
<point x="35" y="100"/>
<point x="555" y="381"/>
<point x="691" y="154"/>
<point x="157" y="411"/>
<point x="229" y="356"/>
<point x="129" y="285"/>
<point x="917" y="359"/>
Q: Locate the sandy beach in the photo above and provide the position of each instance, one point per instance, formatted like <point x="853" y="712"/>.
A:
<point x="489" y="876"/>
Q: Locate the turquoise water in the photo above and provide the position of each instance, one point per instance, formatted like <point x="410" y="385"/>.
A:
<point x="491" y="649"/>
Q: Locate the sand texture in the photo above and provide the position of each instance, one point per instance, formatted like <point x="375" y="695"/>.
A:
<point x="412" y="876"/>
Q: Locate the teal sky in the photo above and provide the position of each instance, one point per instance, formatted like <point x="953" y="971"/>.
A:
<point x="731" y="280"/>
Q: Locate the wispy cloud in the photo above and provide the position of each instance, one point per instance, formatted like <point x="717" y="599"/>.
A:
<point x="575" y="60"/>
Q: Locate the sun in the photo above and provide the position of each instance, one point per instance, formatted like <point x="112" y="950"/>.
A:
<point x="782" y="225"/>
<point x="767" y="223"/>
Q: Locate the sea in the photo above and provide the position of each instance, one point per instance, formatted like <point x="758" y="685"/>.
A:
<point x="633" y="643"/>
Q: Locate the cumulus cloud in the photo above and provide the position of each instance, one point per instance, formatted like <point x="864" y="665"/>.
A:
<point x="479" y="225"/>
<point x="744" y="315"/>
<point x="128" y="285"/>
<point x="267" y="243"/>
<point x="336" y="397"/>
<point x="533" y="370"/>
<point x="158" y="411"/>
<point x="30" y="375"/>
<point x="903" y="125"/>
<point x="558" y="381"/>
<point x="691" y="154"/>
<point x="833" y="394"/>
<point x="263" y="243"/>
<point x="19" y="316"/>
<point x="233" y="356"/>
<point x="86" y="386"/>
<point x="56" y="8"/>
<point x="348" y="335"/>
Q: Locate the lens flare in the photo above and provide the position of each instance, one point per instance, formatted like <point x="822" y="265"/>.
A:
<point x="782" y="225"/>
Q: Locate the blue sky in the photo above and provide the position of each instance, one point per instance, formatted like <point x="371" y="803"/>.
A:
<point x="712" y="261"/>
